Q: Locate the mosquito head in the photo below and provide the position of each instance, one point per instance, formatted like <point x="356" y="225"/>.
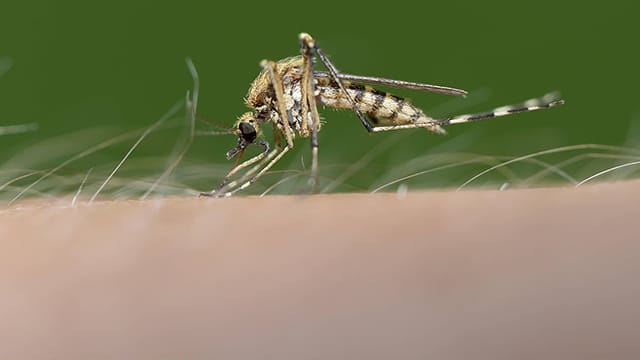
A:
<point x="247" y="129"/>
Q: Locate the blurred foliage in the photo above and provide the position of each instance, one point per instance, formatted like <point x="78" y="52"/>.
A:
<point x="88" y="72"/>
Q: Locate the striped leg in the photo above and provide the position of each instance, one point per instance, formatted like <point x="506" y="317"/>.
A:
<point x="545" y="102"/>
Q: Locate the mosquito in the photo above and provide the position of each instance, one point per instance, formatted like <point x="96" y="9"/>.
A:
<point x="286" y="94"/>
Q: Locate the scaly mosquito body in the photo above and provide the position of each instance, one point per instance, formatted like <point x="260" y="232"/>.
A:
<point x="286" y="94"/>
<point x="378" y="105"/>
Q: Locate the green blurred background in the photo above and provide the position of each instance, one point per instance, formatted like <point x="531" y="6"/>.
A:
<point x="89" y="72"/>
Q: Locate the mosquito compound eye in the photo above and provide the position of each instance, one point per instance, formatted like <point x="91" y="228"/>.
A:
<point x="247" y="131"/>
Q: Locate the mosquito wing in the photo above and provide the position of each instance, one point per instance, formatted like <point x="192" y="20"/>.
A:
<point x="394" y="83"/>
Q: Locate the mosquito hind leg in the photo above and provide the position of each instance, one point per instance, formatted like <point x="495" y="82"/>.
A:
<point x="545" y="102"/>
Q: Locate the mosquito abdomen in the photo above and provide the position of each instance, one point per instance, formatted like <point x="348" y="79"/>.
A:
<point x="380" y="106"/>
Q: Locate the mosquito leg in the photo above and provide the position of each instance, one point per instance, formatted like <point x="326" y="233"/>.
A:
<point x="308" y="42"/>
<point x="244" y="164"/>
<point x="405" y="126"/>
<point x="258" y="175"/>
<point x="225" y="182"/>
<point x="313" y="176"/>
<point x="226" y="190"/>
<point x="545" y="102"/>
<point x="221" y="190"/>
<point x="276" y="82"/>
<point x="306" y="88"/>
<point x="310" y="107"/>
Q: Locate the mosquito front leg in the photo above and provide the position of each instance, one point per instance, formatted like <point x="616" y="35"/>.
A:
<point x="238" y="167"/>
<point x="258" y="175"/>
<point x="308" y="42"/>
<point x="222" y="190"/>
<point x="248" y="176"/>
<point x="245" y="164"/>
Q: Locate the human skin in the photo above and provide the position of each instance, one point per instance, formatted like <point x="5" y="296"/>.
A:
<point x="519" y="274"/>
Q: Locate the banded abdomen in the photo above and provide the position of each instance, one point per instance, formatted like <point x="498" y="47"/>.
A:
<point x="381" y="107"/>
